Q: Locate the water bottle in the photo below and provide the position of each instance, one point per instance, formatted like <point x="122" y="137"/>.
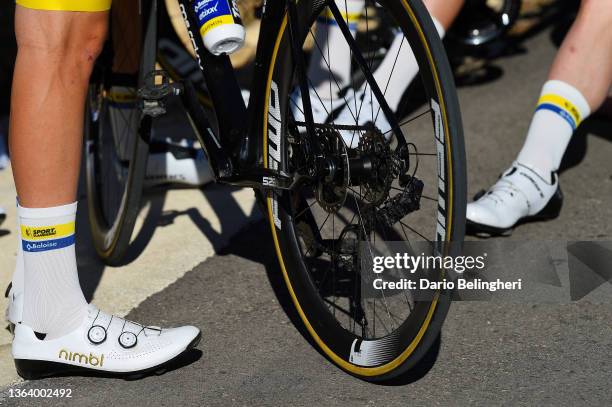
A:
<point x="220" y="25"/>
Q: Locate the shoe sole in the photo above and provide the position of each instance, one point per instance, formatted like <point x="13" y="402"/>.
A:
<point x="37" y="369"/>
<point x="551" y="211"/>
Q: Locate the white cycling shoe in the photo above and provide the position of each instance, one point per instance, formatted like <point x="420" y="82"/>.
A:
<point x="103" y="345"/>
<point x="520" y="195"/>
<point x="4" y="158"/>
<point x="321" y="108"/>
<point x="177" y="162"/>
<point x="14" y="310"/>
<point x="361" y="108"/>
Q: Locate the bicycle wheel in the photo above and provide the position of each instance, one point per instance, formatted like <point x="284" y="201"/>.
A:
<point x="348" y="193"/>
<point x="484" y="21"/>
<point x="116" y="150"/>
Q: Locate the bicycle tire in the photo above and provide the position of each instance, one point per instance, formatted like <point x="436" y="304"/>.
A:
<point x="418" y="331"/>
<point x="111" y="230"/>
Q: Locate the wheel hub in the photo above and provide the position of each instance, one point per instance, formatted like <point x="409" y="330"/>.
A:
<point x="377" y="165"/>
<point x="333" y="171"/>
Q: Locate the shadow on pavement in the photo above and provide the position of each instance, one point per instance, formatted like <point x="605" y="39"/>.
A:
<point x="421" y="369"/>
<point x="90" y="266"/>
<point x="578" y="147"/>
<point x="220" y="198"/>
<point x="261" y="250"/>
<point x="155" y="201"/>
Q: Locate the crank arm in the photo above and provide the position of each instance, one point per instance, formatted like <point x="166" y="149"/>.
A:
<point x="259" y="178"/>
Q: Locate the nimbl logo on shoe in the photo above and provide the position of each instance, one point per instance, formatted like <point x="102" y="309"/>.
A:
<point x="43" y="238"/>
<point x="91" y="360"/>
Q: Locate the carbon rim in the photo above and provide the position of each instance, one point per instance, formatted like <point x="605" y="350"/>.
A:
<point x="336" y="338"/>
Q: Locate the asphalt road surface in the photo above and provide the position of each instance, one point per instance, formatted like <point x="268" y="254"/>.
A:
<point x="489" y="354"/>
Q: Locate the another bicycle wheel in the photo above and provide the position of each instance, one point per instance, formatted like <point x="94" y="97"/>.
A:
<point x="384" y="185"/>
<point x="484" y="21"/>
<point x="116" y="145"/>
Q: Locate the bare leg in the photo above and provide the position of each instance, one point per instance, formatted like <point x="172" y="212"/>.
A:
<point x="55" y="58"/>
<point x="578" y="83"/>
<point x="444" y="11"/>
<point x="56" y="54"/>
<point x="585" y="58"/>
<point x="394" y="74"/>
<point x="581" y="73"/>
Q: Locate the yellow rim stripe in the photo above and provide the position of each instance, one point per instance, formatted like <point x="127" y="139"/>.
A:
<point x="363" y="371"/>
<point x="34" y="233"/>
<point x="66" y="5"/>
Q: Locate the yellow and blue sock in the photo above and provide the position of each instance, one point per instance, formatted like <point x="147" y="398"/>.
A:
<point x="560" y="110"/>
<point x="53" y="300"/>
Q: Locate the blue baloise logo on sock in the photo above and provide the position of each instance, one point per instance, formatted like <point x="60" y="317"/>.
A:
<point x="46" y="245"/>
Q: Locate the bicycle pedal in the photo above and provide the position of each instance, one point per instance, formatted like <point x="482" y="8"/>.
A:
<point x="157" y="87"/>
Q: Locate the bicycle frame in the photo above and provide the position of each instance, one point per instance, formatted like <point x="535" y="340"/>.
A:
<point x="231" y="134"/>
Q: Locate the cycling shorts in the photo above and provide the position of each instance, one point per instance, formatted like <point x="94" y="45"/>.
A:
<point x="66" y="5"/>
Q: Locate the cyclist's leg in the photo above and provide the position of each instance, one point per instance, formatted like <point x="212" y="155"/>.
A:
<point x="585" y="58"/>
<point x="443" y="13"/>
<point x="57" y="50"/>
<point x="578" y="84"/>
<point x="395" y="73"/>
<point x="329" y="69"/>
<point x="584" y="66"/>
<point x="331" y="54"/>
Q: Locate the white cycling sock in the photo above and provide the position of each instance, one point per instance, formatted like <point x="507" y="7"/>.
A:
<point x="393" y="76"/>
<point x="18" y="275"/>
<point x="331" y="48"/>
<point x="397" y="70"/>
<point x="53" y="300"/>
<point x="560" y="111"/>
